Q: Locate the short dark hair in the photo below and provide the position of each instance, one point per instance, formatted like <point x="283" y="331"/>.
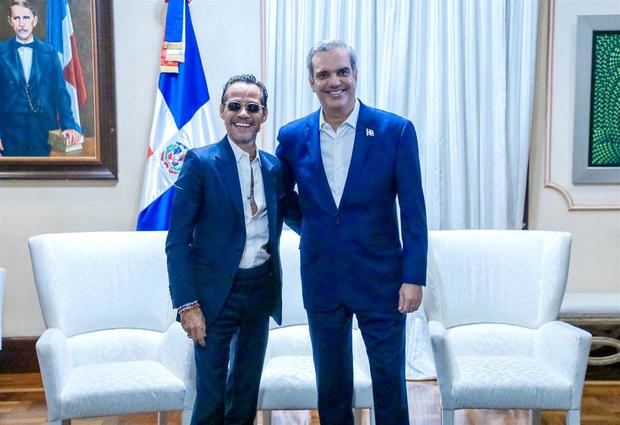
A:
<point x="327" y="46"/>
<point x="248" y="79"/>
<point x="22" y="3"/>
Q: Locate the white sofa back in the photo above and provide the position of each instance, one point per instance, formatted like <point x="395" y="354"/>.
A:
<point x="80" y="275"/>
<point x="496" y="276"/>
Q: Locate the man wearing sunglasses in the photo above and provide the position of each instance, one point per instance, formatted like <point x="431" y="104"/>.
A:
<point x="350" y="162"/>
<point x="223" y="257"/>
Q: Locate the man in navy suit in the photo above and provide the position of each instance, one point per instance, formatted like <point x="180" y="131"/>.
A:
<point x="350" y="162"/>
<point x="32" y="88"/>
<point x="223" y="257"/>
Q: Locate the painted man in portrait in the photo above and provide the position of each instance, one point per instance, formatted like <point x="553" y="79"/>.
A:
<point x="32" y="88"/>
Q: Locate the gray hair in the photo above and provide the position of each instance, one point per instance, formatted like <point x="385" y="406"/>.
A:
<point x="23" y="3"/>
<point x="248" y="79"/>
<point x="327" y="46"/>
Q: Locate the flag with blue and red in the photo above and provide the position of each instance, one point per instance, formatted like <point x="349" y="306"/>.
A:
<point x="181" y="121"/>
<point x="61" y="36"/>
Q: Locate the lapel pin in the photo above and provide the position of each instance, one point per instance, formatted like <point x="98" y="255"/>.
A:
<point x="370" y="132"/>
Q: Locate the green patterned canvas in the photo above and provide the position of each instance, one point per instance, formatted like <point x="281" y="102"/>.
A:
<point x="605" y="108"/>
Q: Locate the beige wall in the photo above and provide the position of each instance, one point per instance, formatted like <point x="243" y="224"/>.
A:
<point x="228" y="34"/>
<point x="595" y="257"/>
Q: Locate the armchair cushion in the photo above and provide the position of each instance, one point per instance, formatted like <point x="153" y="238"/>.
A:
<point x="288" y="381"/>
<point x="130" y="386"/>
<point x="503" y="382"/>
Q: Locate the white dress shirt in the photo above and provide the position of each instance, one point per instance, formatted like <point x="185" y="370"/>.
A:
<point x="257" y="225"/>
<point x="25" y="57"/>
<point x="337" y="149"/>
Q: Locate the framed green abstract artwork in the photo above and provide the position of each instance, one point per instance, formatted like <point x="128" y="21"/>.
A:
<point x="596" y="150"/>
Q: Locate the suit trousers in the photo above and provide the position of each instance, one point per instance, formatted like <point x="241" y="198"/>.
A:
<point x="227" y="394"/>
<point x="383" y="331"/>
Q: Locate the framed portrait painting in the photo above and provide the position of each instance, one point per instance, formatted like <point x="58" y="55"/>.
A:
<point x="596" y="147"/>
<point x="57" y="109"/>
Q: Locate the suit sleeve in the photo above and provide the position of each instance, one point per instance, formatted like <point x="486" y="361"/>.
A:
<point x="412" y="207"/>
<point x="185" y="208"/>
<point x="289" y="199"/>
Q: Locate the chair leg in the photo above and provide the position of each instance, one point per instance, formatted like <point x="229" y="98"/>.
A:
<point x="186" y="416"/>
<point x="371" y="413"/>
<point x="536" y="417"/>
<point x="358" y="415"/>
<point x="573" y="417"/>
<point x="162" y="418"/>
<point x="66" y="422"/>
<point x="266" y="417"/>
<point x="447" y="416"/>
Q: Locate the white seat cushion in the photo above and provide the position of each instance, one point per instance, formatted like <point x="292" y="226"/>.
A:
<point x="508" y="382"/>
<point x="131" y="387"/>
<point x="288" y="382"/>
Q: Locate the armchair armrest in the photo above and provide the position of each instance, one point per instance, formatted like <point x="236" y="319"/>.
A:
<point x="443" y="360"/>
<point x="565" y="349"/>
<point x="55" y="362"/>
<point x="176" y="353"/>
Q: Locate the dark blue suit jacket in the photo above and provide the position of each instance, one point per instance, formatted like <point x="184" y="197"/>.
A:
<point x="47" y="87"/>
<point x="353" y="254"/>
<point x="206" y="237"/>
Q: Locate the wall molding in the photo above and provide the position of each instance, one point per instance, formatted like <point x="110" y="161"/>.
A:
<point x="572" y="206"/>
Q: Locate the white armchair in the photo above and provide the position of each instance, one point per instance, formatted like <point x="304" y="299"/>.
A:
<point x="112" y="346"/>
<point x="288" y="381"/>
<point x="492" y="302"/>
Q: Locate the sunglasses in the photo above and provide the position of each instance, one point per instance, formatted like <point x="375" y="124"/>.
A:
<point x="251" y="108"/>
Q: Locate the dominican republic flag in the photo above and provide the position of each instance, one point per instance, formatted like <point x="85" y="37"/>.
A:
<point x="181" y="120"/>
<point x="60" y="35"/>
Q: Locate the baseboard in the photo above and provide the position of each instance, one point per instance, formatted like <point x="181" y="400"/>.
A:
<point x="603" y="373"/>
<point x="18" y="355"/>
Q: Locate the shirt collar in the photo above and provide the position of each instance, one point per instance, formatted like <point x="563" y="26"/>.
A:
<point x="351" y="119"/>
<point x="240" y="154"/>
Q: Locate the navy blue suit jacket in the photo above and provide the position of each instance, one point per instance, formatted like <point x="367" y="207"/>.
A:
<point x="47" y="87"/>
<point x="207" y="236"/>
<point x="353" y="254"/>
